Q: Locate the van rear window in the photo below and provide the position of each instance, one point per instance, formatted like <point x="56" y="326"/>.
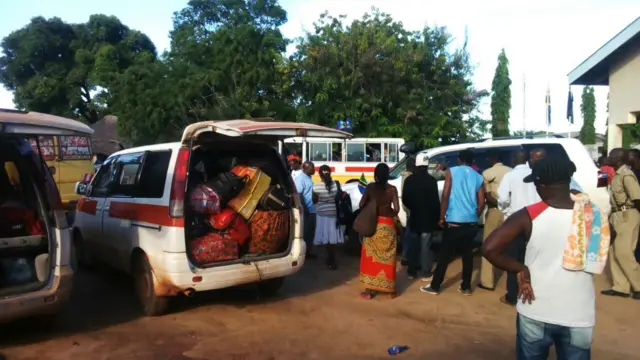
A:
<point x="47" y="147"/>
<point x="74" y="148"/>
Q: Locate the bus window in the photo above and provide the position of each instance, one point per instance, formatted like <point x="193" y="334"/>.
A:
<point x="390" y="153"/>
<point x="336" y="152"/>
<point x="355" y="152"/>
<point x="294" y="148"/>
<point x="374" y="152"/>
<point x="318" y="152"/>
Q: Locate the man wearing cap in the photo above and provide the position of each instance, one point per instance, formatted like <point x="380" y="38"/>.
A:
<point x="420" y="197"/>
<point x="625" y="218"/>
<point x="294" y="164"/>
<point x="557" y="305"/>
<point x="494" y="217"/>
<point x="513" y="195"/>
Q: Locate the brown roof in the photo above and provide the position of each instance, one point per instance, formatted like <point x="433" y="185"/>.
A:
<point x="105" y="138"/>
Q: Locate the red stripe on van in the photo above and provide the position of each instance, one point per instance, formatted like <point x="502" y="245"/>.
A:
<point x="359" y="168"/>
<point x="152" y="214"/>
<point x="87" y="206"/>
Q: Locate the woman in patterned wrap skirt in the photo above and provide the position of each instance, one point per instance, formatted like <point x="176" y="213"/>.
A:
<point x="378" y="258"/>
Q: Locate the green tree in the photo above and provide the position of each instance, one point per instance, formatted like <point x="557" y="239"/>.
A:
<point x="388" y="80"/>
<point x="67" y="69"/>
<point x="588" y="110"/>
<point x="501" y="97"/>
<point x="225" y="62"/>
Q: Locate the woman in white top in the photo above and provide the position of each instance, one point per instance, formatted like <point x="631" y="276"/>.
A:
<point x="558" y="305"/>
<point x="328" y="231"/>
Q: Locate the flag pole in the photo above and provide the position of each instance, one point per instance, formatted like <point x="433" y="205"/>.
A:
<point x="524" y="105"/>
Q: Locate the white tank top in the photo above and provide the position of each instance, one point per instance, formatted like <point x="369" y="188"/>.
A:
<point x="563" y="297"/>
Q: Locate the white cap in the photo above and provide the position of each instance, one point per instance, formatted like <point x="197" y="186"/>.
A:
<point x="422" y="160"/>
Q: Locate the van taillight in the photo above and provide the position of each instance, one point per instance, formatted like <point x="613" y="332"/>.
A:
<point x="87" y="177"/>
<point x="179" y="184"/>
<point x="603" y="179"/>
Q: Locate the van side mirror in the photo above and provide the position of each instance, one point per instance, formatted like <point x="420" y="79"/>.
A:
<point x="409" y="148"/>
<point x="81" y="187"/>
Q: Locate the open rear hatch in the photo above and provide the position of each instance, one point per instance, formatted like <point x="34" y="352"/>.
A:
<point x="30" y="206"/>
<point x="239" y="194"/>
<point x="26" y="243"/>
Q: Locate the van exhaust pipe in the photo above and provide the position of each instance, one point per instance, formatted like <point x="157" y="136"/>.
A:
<point x="189" y="292"/>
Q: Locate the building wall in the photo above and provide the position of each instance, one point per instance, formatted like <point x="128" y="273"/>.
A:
<point x="624" y="96"/>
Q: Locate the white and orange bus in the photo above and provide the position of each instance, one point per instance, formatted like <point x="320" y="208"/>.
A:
<point x="348" y="159"/>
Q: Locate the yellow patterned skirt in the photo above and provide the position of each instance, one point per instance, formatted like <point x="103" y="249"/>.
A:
<point x="378" y="258"/>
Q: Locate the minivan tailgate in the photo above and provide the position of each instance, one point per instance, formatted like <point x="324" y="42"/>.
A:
<point x="273" y="129"/>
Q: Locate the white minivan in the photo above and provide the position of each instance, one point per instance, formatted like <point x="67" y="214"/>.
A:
<point x="587" y="175"/>
<point x="36" y="276"/>
<point x="134" y="217"/>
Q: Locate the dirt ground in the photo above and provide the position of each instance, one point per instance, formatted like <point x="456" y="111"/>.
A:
<point x="318" y="315"/>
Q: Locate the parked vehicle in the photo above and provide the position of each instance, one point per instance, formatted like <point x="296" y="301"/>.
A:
<point x="349" y="160"/>
<point x="35" y="237"/>
<point x="592" y="181"/>
<point x="158" y="212"/>
<point x="68" y="156"/>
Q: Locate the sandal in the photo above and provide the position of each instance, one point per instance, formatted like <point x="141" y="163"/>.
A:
<point x="367" y="295"/>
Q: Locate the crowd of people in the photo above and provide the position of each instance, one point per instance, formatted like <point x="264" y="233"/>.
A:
<point x="540" y="228"/>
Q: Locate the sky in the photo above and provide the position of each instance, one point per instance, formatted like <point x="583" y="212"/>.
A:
<point x="544" y="39"/>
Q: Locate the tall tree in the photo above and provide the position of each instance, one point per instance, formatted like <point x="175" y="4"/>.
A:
<point x="67" y="69"/>
<point x="225" y="62"/>
<point x="388" y="80"/>
<point x="588" y="110"/>
<point x="501" y="97"/>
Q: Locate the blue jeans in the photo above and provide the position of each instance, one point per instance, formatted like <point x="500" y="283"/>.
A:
<point x="420" y="255"/>
<point x="534" y="338"/>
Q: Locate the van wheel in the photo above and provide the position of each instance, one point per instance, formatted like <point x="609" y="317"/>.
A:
<point x="269" y="288"/>
<point x="79" y="258"/>
<point x="152" y="304"/>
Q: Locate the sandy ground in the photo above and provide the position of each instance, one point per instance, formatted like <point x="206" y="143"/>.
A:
<point x="318" y="315"/>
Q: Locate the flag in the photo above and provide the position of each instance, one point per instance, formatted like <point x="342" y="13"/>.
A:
<point x="570" y="107"/>
<point x="363" y="179"/>
<point x="548" y="102"/>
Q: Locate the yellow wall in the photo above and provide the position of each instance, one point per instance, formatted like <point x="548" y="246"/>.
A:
<point x="624" y="96"/>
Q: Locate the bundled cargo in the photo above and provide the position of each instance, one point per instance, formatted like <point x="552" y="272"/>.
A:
<point x="228" y="232"/>
<point x="269" y="231"/>
<point x="247" y="200"/>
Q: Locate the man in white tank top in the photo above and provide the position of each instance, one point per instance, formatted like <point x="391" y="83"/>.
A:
<point x="557" y="306"/>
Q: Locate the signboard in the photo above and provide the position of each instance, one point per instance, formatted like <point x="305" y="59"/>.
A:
<point x="47" y="147"/>
<point x="74" y="148"/>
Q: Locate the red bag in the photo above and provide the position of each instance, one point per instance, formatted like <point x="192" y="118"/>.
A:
<point x="204" y="200"/>
<point x="17" y="221"/>
<point x="269" y="231"/>
<point x="213" y="247"/>
<point x="223" y="219"/>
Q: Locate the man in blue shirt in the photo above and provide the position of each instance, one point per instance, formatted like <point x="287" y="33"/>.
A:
<point x="304" y="186"/>
<point x="463" y="199"/>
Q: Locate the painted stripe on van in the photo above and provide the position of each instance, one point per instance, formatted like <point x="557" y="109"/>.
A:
<point x="152" y="214"/>
<point x="87" y="206"/>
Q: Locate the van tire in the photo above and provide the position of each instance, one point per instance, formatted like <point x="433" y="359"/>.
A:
<point x="270" y="287"/>
<point x="80" y="260"/>
<point x="152" y="304"/>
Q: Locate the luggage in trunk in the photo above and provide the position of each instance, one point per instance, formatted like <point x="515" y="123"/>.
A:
<point x="220" y="245"/>
<point x="269" y="231"/>
<point x="247" y="200"/>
